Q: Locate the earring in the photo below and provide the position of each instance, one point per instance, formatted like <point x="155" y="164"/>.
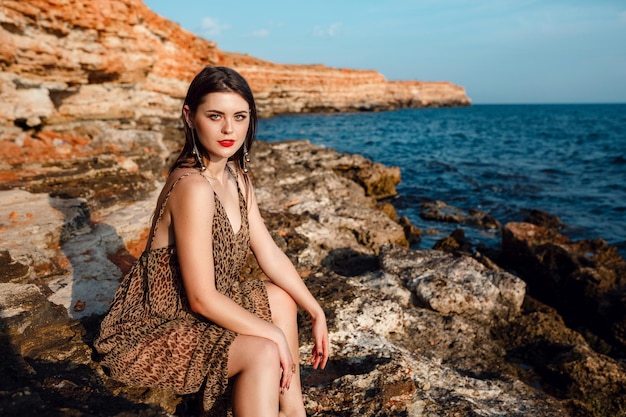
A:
<point x="245" y="159"/>
<point x="195" y="149"/>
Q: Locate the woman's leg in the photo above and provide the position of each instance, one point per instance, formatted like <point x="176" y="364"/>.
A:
<point x="254" y="363"/>
<point x="284" y="315"/>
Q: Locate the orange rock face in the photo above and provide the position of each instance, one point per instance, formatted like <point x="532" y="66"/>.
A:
<point x="95" y="42"/>
<point x="70" y="71"/>
<point x="64" y="61"/>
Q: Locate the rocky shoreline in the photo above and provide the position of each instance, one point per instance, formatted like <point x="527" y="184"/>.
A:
<point x="414" y="332"/>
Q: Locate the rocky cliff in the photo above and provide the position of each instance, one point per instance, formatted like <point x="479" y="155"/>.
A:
<point x="63" y="61"/>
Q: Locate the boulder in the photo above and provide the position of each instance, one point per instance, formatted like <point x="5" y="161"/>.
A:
<point x="584" y="280"/>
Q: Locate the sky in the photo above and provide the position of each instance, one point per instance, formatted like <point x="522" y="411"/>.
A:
<point x="500" y="51"/>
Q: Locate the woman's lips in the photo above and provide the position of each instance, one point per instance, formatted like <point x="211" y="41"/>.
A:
<point x="226" y="143"/>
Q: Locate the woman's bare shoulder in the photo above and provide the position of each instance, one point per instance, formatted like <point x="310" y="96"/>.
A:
<point x="189" y="185"/>
<point x="186" y="177"/>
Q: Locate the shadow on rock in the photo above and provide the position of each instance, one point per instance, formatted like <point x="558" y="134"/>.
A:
<point x="350" y="263"/>
<point x="49" y="366"/>
<point x="584" y="280"/>
<point x="341" y="367"/>
<point x="46" y="366"/>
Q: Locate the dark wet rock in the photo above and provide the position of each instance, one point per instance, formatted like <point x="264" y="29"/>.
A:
<point x="544" y="219"/>
<point x="413" y="233"/>
<point x="455" y="243"/>
<point x="583" y="280"/>
<point x="440" y="211"/>
<point x="559" y="360"/>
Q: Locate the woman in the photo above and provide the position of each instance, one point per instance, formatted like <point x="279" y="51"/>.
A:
<point x="194" y="323"/>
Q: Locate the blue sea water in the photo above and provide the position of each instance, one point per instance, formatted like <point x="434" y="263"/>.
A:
<point x="568" y="160"/>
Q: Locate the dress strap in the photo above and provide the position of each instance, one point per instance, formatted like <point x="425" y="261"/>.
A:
<point x="157" y="220"/>
<point x="235" y="176"/>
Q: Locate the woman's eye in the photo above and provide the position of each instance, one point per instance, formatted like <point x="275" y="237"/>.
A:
<point x="214" y="116"/>
<point x="240" y="117"/>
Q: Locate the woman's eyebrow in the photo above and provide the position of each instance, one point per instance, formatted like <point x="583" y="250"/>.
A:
<point x="221" y="112"/>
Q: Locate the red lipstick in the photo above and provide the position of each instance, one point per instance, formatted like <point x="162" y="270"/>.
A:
<point x="226" y="143"/>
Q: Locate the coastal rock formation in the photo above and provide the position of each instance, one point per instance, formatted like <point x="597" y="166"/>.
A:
<point x="440" y="211"/>
<point x="118" y="60"/>
<point x="413" y="332"/>
<point x="316" y="88"/>
<point x="584" y="280"/>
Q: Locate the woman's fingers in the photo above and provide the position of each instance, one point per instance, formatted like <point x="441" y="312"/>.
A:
<point x="316" y="357"/>
<point x="320" y="353"/>
<point x="287" y="376"/>
<point x="288" y="366"/>
<point x="319" y="356"/>
<point x="325" y="351"/>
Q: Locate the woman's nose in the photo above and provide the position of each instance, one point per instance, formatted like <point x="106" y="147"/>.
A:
<point x="228" y="126"/>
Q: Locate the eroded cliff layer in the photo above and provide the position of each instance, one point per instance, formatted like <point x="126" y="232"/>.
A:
<point x="64" y="61"/>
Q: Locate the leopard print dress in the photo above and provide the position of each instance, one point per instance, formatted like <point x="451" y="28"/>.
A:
<point x="151" y="338"/>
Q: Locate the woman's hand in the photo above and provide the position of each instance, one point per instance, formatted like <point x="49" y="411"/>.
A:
<point x="319" y="355"/>
<point x="286" y="363"/>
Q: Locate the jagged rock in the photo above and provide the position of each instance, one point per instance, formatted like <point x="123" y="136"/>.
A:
<point x="48" y="368"/>
<point x="401" y="345"/>
<point x="559" y="359"/>
<point x="391" y="357"/>
<point x="302" y="179"/>
<point x="544" y="219"/>
<point x="584" y="280"/>
<point x="456" y="242"/>
<point x="413" y="233"/>
<point x="456" y="285"/>
<point x="440" y="211"/>
<point x="12" y="270"/>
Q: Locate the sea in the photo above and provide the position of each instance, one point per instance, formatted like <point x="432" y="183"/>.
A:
<point x="568" y="160"/>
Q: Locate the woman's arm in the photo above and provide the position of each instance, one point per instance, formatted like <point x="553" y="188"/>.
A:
<point x="192" y="206"/>
<point x="277" y="266"/>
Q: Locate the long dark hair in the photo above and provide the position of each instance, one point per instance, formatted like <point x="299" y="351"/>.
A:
<point x="215" y="80"/>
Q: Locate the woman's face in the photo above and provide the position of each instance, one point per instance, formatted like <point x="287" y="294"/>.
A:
<point x="221" y="122"/>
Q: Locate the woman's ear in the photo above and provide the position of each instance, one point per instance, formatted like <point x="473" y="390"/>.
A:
<point x="187" y="113"/>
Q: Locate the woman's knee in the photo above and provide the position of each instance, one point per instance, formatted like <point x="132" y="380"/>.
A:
<point x="281" y="303"/>
<point x="266" y="351"/>
<point x="251" y="352"/>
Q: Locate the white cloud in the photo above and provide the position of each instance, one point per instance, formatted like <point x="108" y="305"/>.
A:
<point x="261" y="33"/>
<point x="328" y="31"/>
<point x="213" y="27"/>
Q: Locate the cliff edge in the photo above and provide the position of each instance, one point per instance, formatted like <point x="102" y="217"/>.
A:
<point x="63" y="61"/>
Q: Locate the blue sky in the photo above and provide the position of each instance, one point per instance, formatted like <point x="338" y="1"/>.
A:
<point x="501" y="51"/>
